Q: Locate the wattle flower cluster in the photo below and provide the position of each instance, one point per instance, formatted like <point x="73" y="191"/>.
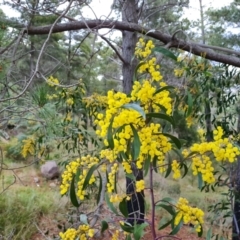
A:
<point x="111" y="178"/>
<point x="143" y="49"/>
<point x="82" y="233"/>
<point x="115" y="236"/>
<point x="221" y="149"/>
<point x="116" y="198"/>
<point x="178" y="72"/>
<point x="145" y="93"/>
<point x="176" y="170"/>
<point x="95" y="101"/>
<point x="140" y="185"/>
<point x="189" y="215"/>
<point x="153" y="144"/>
<point x="122" y="119"/>
<point x="84" y="164"/>
<point x="28" y="147"/>
<point x="52" y="81"/>
<point x="203" y="164"/>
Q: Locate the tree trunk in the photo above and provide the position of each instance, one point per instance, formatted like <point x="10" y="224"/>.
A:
<point x="129" y="40"/>
<point x="136" y="207"/>
<point x="207" y="106"/>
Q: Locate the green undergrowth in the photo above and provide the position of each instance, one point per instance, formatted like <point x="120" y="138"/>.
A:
<point x="21" y="209"/>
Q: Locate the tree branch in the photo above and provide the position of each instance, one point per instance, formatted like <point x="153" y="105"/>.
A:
<point x="114" y="49"/>
<point x="195" y="48"/>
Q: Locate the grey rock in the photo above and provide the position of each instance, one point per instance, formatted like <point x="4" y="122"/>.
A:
<point x="50" y="170"/>
<point x="52" y="185"/>
<point x="36" y="180"/>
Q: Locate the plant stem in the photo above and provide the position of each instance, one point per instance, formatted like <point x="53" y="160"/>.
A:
<point x="152" y="202"/>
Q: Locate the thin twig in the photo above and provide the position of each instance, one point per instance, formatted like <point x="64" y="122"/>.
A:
<point x="43" y="234"/>
<point x="14" y="181"/>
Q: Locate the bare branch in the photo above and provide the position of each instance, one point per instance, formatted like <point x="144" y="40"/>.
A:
<point x="195" y="48"/>
<point x="114" y="49"/>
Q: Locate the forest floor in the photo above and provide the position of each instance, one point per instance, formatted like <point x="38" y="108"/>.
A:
<point x="49" y="225"/>
<point x="49" y="230"/>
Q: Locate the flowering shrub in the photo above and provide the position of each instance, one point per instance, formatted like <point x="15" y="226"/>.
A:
<point x="131" y="130"/>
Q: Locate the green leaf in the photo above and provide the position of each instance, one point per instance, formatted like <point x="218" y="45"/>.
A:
<point x="165" y="52"/>
<point x="110" y="204"/>
<point x="154" y="164"/>
<point x="73" y="196"/>
<point x="110" y="136"/>
<point x="163" y="89"/>
<point x="200" y="180"/>
<point x="123" y="155"/>
<point x="191" y="154"/>
<point x="163" y="109"/>
<point x="128" y="237"/>
<point x="131" y="176"/>
<point x="83" y="219"/>
<point x="100" y="187"/>
<point x="161" y="116"/>
<point x="179" y="153"/>
<point x="146" y="166"/>
<point x="176" y="228"/>
<point x="136" y="143"/>
<point x="127" y="228"/>
<point x="163" y="223"/>
<point x="209" y="234"/>
<point x="139" y="230"/>
<point x="169" y="169"/>
<point x="168" y="208"/>
<point x="88" y="176"/>
<point x="190" y="103"/>
<point x="136" y="107"/>
<point x="78" y="174"/>
<point x="123" y="207"/>
<point x="185" y="169"/>
<point x="168" y="200"/>
<point x="174" y="139"/>
<point x="104" y="226"/>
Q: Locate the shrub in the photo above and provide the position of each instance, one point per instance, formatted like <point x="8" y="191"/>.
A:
<point x="174" y="189"/>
